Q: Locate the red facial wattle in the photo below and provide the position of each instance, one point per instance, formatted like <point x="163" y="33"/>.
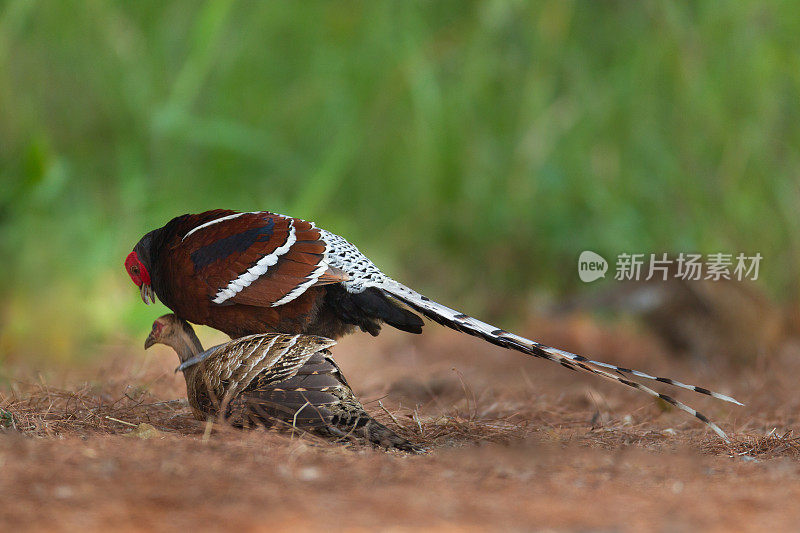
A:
<point x="139" y="275"/>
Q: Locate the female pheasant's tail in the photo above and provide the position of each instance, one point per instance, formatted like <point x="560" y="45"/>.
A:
<point x="461" y="322"/>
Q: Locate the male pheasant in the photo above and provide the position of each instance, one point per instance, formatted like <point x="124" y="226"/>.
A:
<point x="260" y="272"/>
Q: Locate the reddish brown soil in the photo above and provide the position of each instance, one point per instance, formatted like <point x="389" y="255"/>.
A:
<point x="516" y="444"/>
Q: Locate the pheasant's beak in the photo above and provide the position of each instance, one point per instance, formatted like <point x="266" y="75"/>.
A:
<point x="147" y="294"/>
<point x="151" y="340"/>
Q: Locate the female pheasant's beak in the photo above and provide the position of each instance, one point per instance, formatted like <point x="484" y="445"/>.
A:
<point x="151" y="340"/>
<point x="147" y="294"/>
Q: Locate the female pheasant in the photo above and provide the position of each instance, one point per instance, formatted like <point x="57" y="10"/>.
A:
<point x="272" y="380"/>
<point x="258" y="272"/>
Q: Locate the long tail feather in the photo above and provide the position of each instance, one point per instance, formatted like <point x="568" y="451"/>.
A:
<point x="644" y="375"/>
<point x="461" y="322"/>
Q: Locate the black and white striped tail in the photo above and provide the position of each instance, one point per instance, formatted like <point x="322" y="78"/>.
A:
<point x="461" y="322"/>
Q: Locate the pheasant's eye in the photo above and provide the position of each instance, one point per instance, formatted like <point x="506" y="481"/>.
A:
<point x="135" y="270"/>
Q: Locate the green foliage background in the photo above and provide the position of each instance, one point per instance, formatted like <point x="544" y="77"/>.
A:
<point x="473" y="149"/>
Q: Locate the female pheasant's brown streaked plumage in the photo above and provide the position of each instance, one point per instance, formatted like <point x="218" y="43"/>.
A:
<point x="261" y="272"/>
<point x="272" y="380"/>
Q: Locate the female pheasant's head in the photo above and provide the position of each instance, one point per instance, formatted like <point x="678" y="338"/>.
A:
<point x="164" y="331"/>
<point x="179" y="334"/>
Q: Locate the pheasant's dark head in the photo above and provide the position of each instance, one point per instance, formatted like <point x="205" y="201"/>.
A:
<point x="137" y="264"/>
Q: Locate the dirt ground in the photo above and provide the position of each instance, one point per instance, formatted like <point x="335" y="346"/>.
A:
<point x="516" y="444"/>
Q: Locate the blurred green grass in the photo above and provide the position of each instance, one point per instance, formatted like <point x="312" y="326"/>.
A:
<point x="473" y="149"/>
